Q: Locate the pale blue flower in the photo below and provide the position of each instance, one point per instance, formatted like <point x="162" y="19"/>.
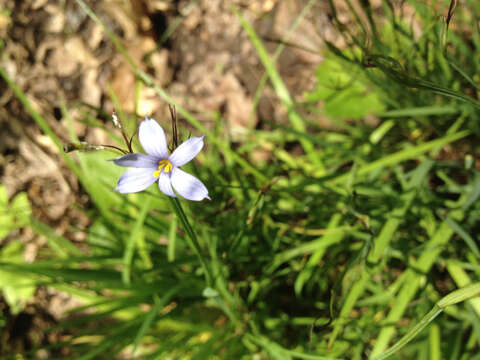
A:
<point x="157" y="164"/>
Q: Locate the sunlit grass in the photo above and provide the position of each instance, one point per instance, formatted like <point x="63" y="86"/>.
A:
<point x="345" y="250"/>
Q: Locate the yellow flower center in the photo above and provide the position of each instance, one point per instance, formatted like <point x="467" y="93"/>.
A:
<point x="164" y="165"/>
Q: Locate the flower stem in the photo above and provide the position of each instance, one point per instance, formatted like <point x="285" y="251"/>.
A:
<point x="192" y="238"/>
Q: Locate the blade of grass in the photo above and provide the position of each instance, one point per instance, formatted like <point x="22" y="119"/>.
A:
<point x="386" y="161"/>
<point x="312" y="263"/>
<point x="116" y="340"/>
<point x="462" y="279"/>
<point x="459" y="69"/>
<point x="422" y="111"/>
<point x="381" y="242"/>
<point x="135" y="234"/>
<point x="320" y="244"/>
<point x="192" y="239"/>
<point x="282" y="91"/>
<point x="172" y="238"/>
<point x="279" y="352"/>
<point x="471" y="243"/>
<point x="434" y="342"/>
<point x="278" y="51"/>
<point x="453" y="298"/>
<point x="426" y="260"/>
<point x="402" y="155"/>
<point x="159" y="303"/>
<point x="62" y="246"/>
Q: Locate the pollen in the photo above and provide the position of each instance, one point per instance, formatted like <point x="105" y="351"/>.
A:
<point x="164" y="165"/>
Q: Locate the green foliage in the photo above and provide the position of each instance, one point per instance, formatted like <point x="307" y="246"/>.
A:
<point x="343" y="91"/>
<point x="16" y="289"/>
<point x="14" y="214"/>
<point x="352" y="243"/>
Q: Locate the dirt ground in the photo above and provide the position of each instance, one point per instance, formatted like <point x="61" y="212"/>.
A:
<point x="196" y="50"/>
<point x="57" y="55"/>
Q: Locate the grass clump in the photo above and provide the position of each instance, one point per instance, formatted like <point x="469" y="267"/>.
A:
<point x="351" y="246"/>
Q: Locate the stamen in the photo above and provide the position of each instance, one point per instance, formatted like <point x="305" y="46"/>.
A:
<point x="164" y="165"/>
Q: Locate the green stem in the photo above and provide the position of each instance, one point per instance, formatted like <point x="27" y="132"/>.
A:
<point x="192" y="239"/>
<point x="455" y="297"/>
<point x="212" y="273"/>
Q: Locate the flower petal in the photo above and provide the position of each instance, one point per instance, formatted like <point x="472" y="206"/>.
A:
<point x="165" y="184"/>
<point x="135" y="180"/>
<point x="137" y="161"/>
<point x="188" y="186"/>
<point x="153" y="139"/>
<point x="186" y="151"/>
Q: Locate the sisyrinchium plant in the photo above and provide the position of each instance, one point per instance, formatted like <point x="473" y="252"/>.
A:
<point x="158" y="165"/>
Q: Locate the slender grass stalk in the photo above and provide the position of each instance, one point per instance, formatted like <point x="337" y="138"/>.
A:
<point x="278" y="51"/>
<point x="453" y="298"/>
<point x="212" y="276"/>
<point x="192" y="239"/>
<point x="280" y="88"/>
<point x="136" y="233"/>
<point x="408" y="291"/>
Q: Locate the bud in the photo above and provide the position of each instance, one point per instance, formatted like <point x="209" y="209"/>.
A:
<point x="81" y="146"/>
<point x="115" y="120"/>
